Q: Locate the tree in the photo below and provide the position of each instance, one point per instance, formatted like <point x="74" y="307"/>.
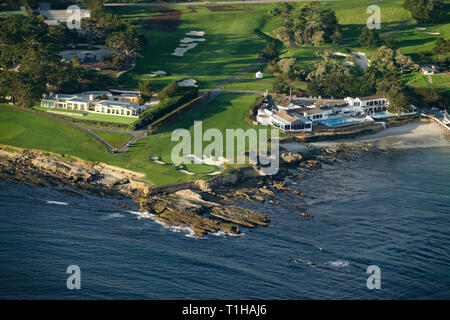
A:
<point x="283" y="34"/>
<point x="369" y="38"/>
<point x="393" y="89"/>
<point x="170" y="90"/>
<point x="282" y="9"/>
<point x="271" y="51"/>
<point x="272" y="67"/>
<point x="336" y="36"/>
<point x="316" y="24"/>
<point x="391" y="44"/>
<point x="146" y="90"/>
<point x="317" y="37"/>
<point x="388" y="59"/>
<point x="285" y="65"/>
<point x="124" y="46"/>
<point x="424" y="11"/>
<point x="76" y="62"/>
<point x="441" y="47"/>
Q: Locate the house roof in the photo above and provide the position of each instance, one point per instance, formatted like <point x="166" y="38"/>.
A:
<point x="97" y="93"/>
<point x="370" y="98"/>
<point x="78" y="99"/>
<point x="114" y="103"/>
<point x="284" y="104"/>
<point x="310" y="110"/>
<point x="329" y="103"/>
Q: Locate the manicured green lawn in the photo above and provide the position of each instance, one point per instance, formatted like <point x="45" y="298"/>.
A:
<point x="115" y="139"/>
<point x="231" y="45"/>
<point x="228" y="111"/>
<point x="234" y="40"/>
<point x="31" y="131"/>
<point x="77" y="114"/>
<point x="440" y="81"/>
<point x="252" y="85"/>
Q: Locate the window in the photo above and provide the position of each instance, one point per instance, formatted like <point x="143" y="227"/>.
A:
<point x="121" y="111"/>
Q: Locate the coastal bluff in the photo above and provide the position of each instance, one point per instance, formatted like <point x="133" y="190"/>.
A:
<point x="181" y="208"/>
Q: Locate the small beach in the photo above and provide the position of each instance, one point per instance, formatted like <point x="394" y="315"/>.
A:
<point x="407" y="136"/>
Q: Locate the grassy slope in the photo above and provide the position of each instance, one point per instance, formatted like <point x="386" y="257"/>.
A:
<point x="26" y="130"/>
<point x="115" y="139"/>
<point x="231" y="45"/>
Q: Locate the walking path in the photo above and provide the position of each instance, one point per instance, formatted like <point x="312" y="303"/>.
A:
<point x="389" y="33"/>
<point x="136" y="135"/>
<point x="218" y="89"/>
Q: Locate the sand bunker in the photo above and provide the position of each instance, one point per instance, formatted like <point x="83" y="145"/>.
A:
<point x="187" y="83"/>
<point x="207" y="160"/>
<point x="189" y="40"/>
<point x="431" y="33"/>
<point x="195" y="33"/>
<point x="184" y="47"/>
<point x="361" y="59"/>
<point x="186" y="172"/>
<point x="336" y="53"/>
<point x="345" y="63"/>
<point x="155" y="159"/>
<point x="187" y="43"/>
<point x="154" y="73"/>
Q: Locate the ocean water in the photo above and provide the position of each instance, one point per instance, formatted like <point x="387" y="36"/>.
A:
<point x="390" y="210"/>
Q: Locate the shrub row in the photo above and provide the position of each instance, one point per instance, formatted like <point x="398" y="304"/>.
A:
<point x="164" y="107"/>
<point x="253" y="109"/>
<point x="175" y="113"/>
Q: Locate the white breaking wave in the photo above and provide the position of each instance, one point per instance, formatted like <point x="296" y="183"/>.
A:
<point x="113" y="215"/>
<point x="148" y="215"/>
<point x="57" y="202"/>
<point x="339" y="263"/>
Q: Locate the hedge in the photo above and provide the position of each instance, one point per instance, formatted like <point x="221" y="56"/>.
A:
<point x="176" y="112"/>
<point x="164" y="107"/>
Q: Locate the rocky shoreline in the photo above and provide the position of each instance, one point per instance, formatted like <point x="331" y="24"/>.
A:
<point x="205" y="207"/>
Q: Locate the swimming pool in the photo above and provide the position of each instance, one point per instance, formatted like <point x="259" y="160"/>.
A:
<point x="383" y="114"/>
<point x="341" y="122"/>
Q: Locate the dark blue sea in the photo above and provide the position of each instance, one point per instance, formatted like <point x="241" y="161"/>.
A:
<point x="390" y="210"/>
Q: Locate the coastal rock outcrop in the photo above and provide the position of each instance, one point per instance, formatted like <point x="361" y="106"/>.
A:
<point x="291" y="157"/>
<point x="242" y="216"/>
<point x="310" y="164"/>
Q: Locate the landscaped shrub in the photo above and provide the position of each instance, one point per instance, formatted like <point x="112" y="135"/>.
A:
<point x="175" y="113"/>
<point x="166" y="105"/>
<point x="253" y="109"/>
